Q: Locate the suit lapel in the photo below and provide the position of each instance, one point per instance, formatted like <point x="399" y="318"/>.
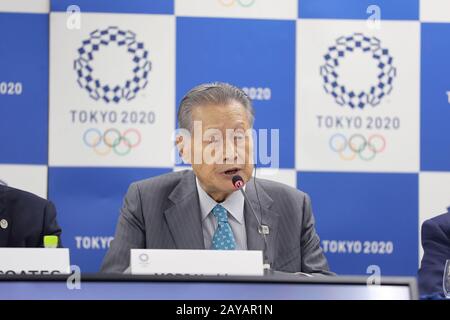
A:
<point x="184" y="218"/>
<point x="4" y="233"/>
<point x="255" y="240"/>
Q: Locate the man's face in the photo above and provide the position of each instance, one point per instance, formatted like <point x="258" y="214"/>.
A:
<point x="221" y="146"/>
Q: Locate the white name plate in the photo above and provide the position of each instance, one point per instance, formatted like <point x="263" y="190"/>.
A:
<point x="34" y="261"/>
<point x="197" y="262"/>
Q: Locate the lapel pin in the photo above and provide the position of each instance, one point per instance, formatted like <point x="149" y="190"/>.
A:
<point x="3" y="224"/>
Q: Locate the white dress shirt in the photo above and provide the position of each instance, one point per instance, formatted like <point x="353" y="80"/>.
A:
<point x="234" y="204"/>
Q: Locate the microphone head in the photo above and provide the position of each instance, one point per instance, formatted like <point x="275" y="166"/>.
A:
<point x="238" y="182"/>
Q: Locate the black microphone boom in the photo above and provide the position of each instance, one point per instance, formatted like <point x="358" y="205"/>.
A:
<point x="238" y="183"/>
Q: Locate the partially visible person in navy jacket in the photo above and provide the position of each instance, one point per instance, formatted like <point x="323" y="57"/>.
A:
<point x="436" y="246"/>
<point x="25" y="218"/>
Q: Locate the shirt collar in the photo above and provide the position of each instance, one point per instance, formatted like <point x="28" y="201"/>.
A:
<point x="234" y="203"/>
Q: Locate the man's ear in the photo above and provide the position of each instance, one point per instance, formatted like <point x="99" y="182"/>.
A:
<point x="180" y="144"/>
<point x="183" y="146"/>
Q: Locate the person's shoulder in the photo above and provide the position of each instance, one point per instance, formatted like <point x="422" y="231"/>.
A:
<point x="14" y="195"/>
<point x="437" y="229"/>
<point x="18" y="194"/>
<point x="278" y="189"/>
<point x="164" y="181"/>
<point x="440" y="222"/>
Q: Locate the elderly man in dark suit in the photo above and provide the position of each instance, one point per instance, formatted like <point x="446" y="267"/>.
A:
<point x="436" y="247"/>
<point x="201" y="209"/>
<point x="25" y="218"/>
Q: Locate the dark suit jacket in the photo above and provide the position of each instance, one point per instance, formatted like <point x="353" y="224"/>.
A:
<point x="29" y="218"/>
<point x="436" y="246"/>
<point x="164" y="213"/>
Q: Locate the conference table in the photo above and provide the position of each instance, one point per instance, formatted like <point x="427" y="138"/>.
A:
<point x="178" y="287"/>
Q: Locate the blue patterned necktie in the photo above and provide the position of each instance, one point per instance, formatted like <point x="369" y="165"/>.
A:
<point x="223" y="238"/>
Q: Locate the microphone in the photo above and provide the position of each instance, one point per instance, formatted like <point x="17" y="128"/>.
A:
<point x="264" y="230"/>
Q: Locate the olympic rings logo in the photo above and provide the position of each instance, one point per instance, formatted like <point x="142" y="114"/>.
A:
<point x="242" y="3"/>
<point x="357" y="145"/>
<point x="112" y="140"/>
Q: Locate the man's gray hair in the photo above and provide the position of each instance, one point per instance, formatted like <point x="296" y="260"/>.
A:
<point x="216" y="93"/>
